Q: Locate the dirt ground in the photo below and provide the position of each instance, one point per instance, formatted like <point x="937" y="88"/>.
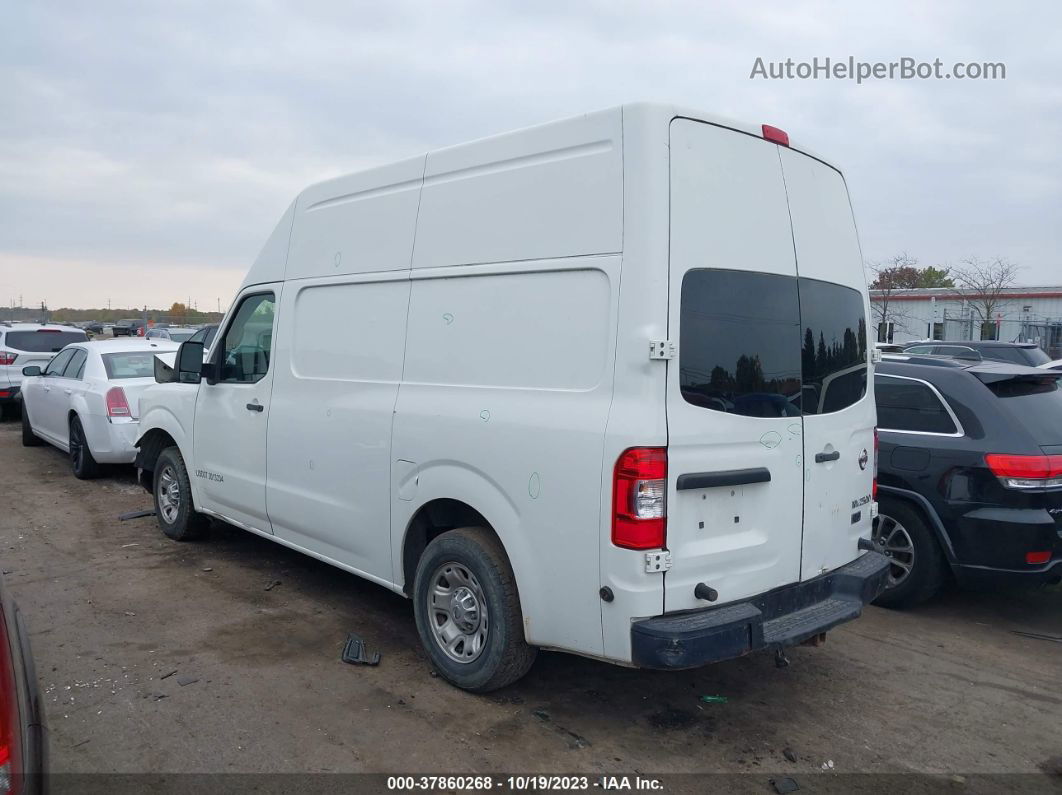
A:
<point x="115" y="607"/>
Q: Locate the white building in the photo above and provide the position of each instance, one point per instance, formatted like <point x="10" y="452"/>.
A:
<point x="1024" y="314"/>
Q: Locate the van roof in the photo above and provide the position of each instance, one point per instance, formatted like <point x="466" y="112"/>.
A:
<point x="556" y="139"/>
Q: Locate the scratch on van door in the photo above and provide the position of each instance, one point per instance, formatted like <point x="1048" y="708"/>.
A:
<point x="771" y="439"/>
<point x="448" y="318"/>
<point x="534" y="485"/>
<point x="794" y="429"/>
<point x="484" y="415"/>
<point x="338" y="258"/>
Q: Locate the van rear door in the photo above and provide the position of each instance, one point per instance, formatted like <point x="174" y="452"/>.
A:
<point x="735" y="455"/>
<point x="838" y="401"/>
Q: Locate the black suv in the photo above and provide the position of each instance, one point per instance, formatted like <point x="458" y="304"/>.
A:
<point x="1026" y="353"/>
<point x="970" y="473"/>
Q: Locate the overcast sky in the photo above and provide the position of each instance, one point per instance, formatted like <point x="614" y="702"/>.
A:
<point x="147" y="149"/>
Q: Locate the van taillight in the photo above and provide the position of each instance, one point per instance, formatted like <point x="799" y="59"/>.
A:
<point x="776" y="135"/>
<point x="7" y="357"/>
<point x="117" y="405"/>
<point x="1026" y="471"/>
<point x="10" y="726"/>
<point x="874" y="486"/>
<point x="639" y="489"/>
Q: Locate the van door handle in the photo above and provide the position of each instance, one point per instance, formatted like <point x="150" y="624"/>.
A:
<point x="822" y="458"/>
<point x="726" y="477"/>
<point x="255" y="407"/>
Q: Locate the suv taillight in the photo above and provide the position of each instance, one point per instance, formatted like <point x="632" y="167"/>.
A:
<point x="1026" y="471"/>
<point x="7" y="357"/>
<point x="639" y="489"/>
<point x="117" y="405"/>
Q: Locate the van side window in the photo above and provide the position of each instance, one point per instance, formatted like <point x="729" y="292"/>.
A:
<point x="739" y="348"/>
<point x="248" y="342"/>
<point x="833" y="346"/>
<point x="909" y="405"/>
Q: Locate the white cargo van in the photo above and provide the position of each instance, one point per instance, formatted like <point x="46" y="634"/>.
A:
<point x="598" y="386"/>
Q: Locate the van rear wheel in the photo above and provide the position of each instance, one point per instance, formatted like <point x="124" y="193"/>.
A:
<point x="468" y="611"/>
<point x="174" y="511"/>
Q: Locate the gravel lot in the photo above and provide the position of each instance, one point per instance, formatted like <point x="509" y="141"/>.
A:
<point x="115" y="607"/>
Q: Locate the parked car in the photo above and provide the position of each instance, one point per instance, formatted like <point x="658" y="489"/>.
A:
<point x="86" y="400"/>
<point x="25" y="344"/>
<point x="23" y="735"/>
<point x="172" y="333"/>
<point x="529" y="483"/>
<point x="131" y="327"/>
<point x="970" y="474"/>
<point x="1026" y="353"/>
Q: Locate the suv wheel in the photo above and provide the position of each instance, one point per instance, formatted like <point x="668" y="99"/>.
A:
<point x="29" y="438"/>
<point x="174" y="511"/>
<point x="916" y="565"/>
<point x="468" y="611"/>
<point x="81" y="460"/>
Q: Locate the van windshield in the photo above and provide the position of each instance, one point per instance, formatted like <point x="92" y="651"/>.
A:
<point x="767" y="345"/>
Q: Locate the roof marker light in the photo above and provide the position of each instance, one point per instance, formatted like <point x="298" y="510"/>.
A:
<point x="776" y="135"/>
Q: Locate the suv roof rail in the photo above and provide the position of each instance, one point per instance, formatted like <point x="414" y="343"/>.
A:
<point x="930" y="359"/>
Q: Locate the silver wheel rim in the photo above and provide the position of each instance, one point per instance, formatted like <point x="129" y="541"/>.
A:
<point x="169" y="491"/>
<point x="895" y="543"/>
<point x="457" y="612"/>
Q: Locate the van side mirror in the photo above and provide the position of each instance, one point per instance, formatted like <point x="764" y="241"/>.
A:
<point x="189" y="364"/>
<point x="31" y="370"/>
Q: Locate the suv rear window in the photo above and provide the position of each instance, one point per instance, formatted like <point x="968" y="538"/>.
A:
<point x="765" y="345"/>
<point x="42" y="341"/>
<point x="905" y="404"/>
<point x="1036" y="403"/>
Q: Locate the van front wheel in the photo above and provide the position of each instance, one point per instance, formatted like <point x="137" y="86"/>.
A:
<point x="468" y="611"/>
<point x="174" y="511"/>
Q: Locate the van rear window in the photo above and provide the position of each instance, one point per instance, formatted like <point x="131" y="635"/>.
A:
<point x="42" y="341"/>
<point x="766" y="345"/>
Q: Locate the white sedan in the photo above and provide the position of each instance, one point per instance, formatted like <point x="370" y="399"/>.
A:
<point x="87" y="400"/>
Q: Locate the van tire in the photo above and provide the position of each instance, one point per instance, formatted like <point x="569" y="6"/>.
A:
<point x="927" y="572"/>
<point x="29" y="438"/>
<point x="174" y="511"/>
<point x="505" y="655"/>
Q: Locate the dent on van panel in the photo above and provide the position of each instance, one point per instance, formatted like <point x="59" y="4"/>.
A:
<point x="367" y="349"/>
<point x="545" y="330"/>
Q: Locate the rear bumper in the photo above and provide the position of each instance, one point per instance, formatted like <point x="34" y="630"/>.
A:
<point x="783" y="617"/>
<point x="987" y="576"/>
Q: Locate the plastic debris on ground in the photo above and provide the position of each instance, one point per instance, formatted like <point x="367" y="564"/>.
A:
<point x="356" y="652"/>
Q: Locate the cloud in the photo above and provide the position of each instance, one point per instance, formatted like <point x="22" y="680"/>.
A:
<point x="170" y="137"/>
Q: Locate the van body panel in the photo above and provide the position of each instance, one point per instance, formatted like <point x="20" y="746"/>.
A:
<point x="474" y="422"/>
<point x="359" y="223"/>
<point x="730" y="223"/>
<point x="330" y="418"/>
<point x="837" y="509"/>
<point x="545" y="192"/>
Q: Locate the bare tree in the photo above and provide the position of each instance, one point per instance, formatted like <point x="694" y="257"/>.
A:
<point x="983" y="283"/>
<point x="896" y="273"/>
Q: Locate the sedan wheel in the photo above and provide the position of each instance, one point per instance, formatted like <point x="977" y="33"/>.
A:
<point x="81" y="459"/>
